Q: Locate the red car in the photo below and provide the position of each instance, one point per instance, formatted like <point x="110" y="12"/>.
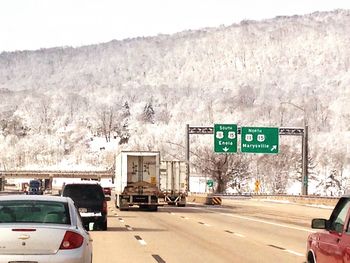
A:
<point x="332" y="243"/>
<point x="107" y="191"/>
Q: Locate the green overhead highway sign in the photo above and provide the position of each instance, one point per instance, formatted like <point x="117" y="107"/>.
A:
<point x="225" y="138"/>
<point x="259" y="140"/>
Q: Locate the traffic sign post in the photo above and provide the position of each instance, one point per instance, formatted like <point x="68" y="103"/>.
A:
<point x="257" y="186"/>
<point x="259" y="140"/>
<point x="225" y="138"/>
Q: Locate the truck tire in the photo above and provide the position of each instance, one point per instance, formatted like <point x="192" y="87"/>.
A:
<point x="103" y="226"/>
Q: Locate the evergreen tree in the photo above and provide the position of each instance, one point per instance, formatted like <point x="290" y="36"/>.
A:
<point x="124" y="134"/>
<point x="125" y="110"/>
<point x="148" y="113"/>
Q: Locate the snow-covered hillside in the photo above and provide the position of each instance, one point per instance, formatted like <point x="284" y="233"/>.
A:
<point x="57" y="104"/>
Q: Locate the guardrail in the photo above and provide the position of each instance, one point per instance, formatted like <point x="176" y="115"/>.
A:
<point x="299" y="199"/>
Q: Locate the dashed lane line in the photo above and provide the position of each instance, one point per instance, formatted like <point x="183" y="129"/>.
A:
<point x="261" y="221"/>
<point x="295" y="253"/>
<point x="236" y="234"/>
<point x="269" y="223"/>
<point x="287" y="250"/>
<point x="205" y="224"/>
<point x="129" y="228"/>
<point x="141" y="241"/>
<point x="158" y="259"/>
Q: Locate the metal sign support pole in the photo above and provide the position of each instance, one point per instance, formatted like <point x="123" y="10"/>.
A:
<point x="282" y="131"/>
<point x="187" y="157"/>
<point x="305" y="162"/>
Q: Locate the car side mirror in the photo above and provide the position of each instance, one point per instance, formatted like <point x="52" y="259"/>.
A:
<point x="319" y="223"/>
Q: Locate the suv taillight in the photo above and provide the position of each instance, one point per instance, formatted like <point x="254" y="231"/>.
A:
<point x="104" y="208"/>
<point x="71" y="240"/>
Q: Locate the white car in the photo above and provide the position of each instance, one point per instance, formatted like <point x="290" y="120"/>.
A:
<point x="40" y="229"/>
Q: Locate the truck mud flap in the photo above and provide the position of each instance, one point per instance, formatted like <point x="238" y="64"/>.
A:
<point x="176" y="200"/>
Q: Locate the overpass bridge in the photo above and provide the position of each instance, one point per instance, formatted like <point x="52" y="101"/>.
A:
<point x="41" y="174"/>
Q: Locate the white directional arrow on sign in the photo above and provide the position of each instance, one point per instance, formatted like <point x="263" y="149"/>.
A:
<point x="225" y="149"/>
<point x="273" y="148"/>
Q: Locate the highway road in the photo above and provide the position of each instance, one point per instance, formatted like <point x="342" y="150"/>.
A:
<point x="245" y="231"/>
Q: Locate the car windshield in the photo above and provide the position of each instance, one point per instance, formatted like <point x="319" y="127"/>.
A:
<point x="33" y="211"/>
<point x="84" y="192"/>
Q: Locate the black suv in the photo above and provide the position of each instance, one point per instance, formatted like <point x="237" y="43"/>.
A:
<point x="91" y="203"/>
<point x="35" y="187"/>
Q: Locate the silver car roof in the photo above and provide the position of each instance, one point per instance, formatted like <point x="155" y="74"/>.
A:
<point x="35" y="198"/>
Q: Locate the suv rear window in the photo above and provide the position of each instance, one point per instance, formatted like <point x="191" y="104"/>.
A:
<point x="34" y="184"/>
<point x="84" y="192"/>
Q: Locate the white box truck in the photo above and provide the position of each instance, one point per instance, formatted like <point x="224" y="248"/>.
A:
<point x="173" y="184"/>
<point x="137" y="179"/>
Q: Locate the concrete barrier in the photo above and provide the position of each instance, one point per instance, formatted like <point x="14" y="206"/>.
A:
<point x="213" y="200"/>
<point x="204" y="199"/>
<point x="201" y="199"/>
<point x="299" y="199"/>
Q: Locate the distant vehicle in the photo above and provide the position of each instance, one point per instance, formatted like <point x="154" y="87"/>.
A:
<point x="173" y="182"/>
<point x="108" y="192"/>
<point x="42" y="229"/>
<point x="35" y="187"/>
<point x="137" y="180"/>
<point x="91" y="203"/>
<point x="332" y="244"/>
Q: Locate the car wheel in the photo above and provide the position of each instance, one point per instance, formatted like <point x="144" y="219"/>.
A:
<point x="103" y="226"/>
<point x="310" y="258"/>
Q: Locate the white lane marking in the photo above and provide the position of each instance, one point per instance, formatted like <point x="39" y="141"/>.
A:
<point x="142" y="242"/>
<point x="236" y="234"/>
<point x="172" y="213"/>
<point x="204" y="224"/>
<point x="269" y="223"/>
<point x="294" y="253"/>
<point x="129" y="228"/>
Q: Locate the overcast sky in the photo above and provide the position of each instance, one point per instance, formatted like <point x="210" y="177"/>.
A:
<point x="35" y="24"/>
